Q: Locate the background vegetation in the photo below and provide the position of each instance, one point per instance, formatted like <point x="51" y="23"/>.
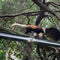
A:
<point x="14" y="50"/>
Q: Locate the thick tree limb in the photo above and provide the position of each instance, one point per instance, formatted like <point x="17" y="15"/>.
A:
<point x="41" y="15"/>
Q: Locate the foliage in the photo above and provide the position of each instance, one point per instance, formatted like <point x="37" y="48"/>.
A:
<point x="14" y="7"/>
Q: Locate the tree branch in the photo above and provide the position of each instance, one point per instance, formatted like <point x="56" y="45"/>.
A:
<point x="25" y="14"/>
<point x="53" y="3"/>
<point x="29" y="14"/>
<point x="45" y="8"/>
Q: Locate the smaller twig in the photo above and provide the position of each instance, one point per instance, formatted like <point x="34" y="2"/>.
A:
<point x="48" y="3"/>
<point x="51" y="54"/>
<point x="31" y="5"/>
<point x="57" y="10"/>
<point x="26" y="8"/>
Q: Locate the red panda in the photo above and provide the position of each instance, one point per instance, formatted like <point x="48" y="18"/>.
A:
<point x="31" y="28"/>
<point x="51" y="32"/>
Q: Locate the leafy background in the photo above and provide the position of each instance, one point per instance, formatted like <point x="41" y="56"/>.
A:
<point x="15" y="7"/>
